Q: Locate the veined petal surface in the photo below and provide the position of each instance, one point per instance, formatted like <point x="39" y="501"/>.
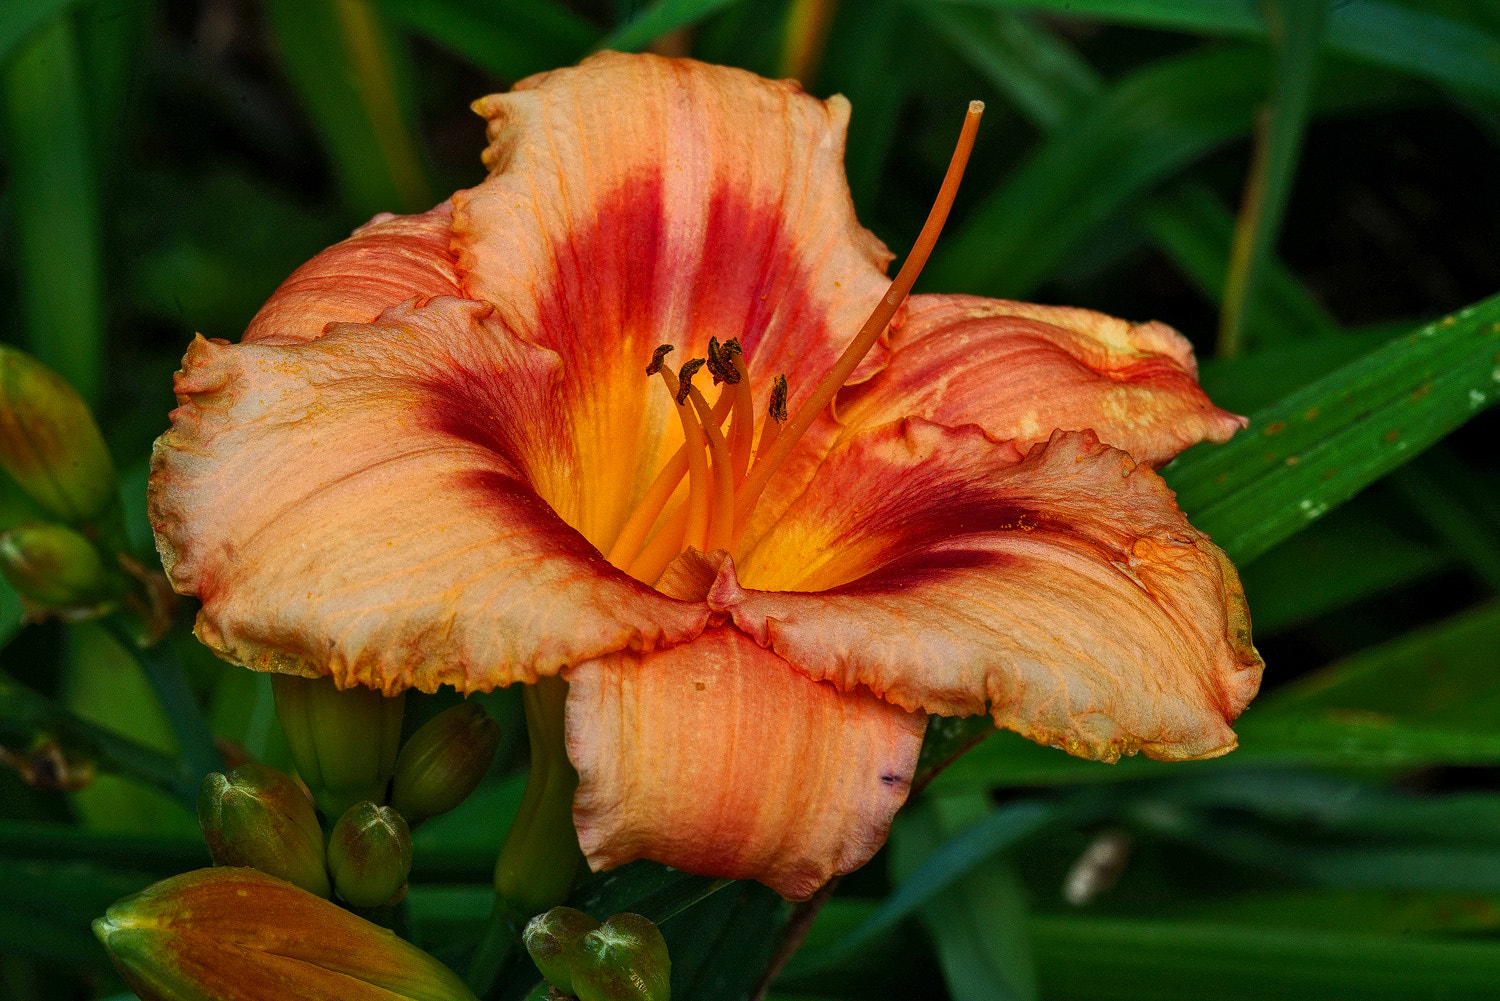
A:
<point x="339" y="507"/>
<point x="1063" y="591"/>
<point x="635" y="201"/>
<point x="719" y="758"/>
<point x="1022" y="371"/>
<point x="387" y="261"/>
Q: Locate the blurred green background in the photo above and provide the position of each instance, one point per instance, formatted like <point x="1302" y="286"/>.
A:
<point x="1293" y="184"/>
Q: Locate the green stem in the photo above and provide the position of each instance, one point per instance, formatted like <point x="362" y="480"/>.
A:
<point x="540" y="857"/>
<point x="195" y="740"/>
<point x="26" y="715"/>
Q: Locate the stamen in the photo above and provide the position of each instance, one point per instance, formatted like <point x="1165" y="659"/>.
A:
<point x="823" y="394"/>
<point x="721" y="528"/>
<point x="696" y="527"/>
<point x="742" y="430"/>
<point x="627" y="545"/>
<point x="775" y="418"/>
<point x="658" y="357"/>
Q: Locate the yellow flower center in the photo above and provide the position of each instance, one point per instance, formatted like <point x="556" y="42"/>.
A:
<point x="723" y="485"/>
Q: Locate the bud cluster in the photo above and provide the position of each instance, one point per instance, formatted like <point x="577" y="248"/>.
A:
<point x="623" y="959"/>
<point x="61" y="523"/>
<point x="345" y="745"/>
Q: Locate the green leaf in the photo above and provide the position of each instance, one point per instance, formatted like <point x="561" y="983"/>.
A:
<point x="1324" y="443"/>
<point x="342" y="60"/>
<point x="1109" y="959"/>
<point x="54" y="197"/>
<point x="720" y="947"/>
<point x="938" y="871"/>
<point x="1297" y="34"/>
<point x="23" y="17"/>
<point x="861" y="64"/>
<point x="661" y="18"/>
<point x="511" y="40"/>
<point x="979" y="924"/>
<point x="1400" y="37"/>
<point x="1146" y="128"/>
<point x="1459" y="503"/>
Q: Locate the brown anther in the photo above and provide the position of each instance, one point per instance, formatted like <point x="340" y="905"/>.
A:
<point x="685" y="379"/>
<point x="778" y="399"/>
<point x="658" y="357"/>
<point x="721" y="361"/>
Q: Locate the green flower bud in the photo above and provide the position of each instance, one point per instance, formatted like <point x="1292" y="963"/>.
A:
<point x="256" y="816"/>
<point x="49" y="443"/>
<point x="238" y="933"/>
<point x="625" y="959"/>
<point x="344" y="742"/>
<point x="369" y="855"/>
<point x="552" y="939"/>
<point x="443" y="761"/>
<point x="54" y="567"/>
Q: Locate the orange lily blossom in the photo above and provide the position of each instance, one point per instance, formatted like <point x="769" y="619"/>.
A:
<point x="436" y="458"/>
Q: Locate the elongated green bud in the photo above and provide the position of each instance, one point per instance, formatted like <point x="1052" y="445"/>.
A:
<point x="552" y="939"/>
<point x="238" y="933"/>
<point x="443" y="761"/>
<point x="257" y="816"/>
<point x="49" y="443"/>
<point x="625" y="959"/>
<point x="344" y="742"/>
<point x="369" y="855"/>
<point x="54" y="567"/>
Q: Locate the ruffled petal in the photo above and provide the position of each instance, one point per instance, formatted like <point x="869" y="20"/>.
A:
<point x="1063" y="591"/>
<point x="387" y="261"/>
<point x="358" y="506"/>
<point x="717" y="757"/>
<point x="1021" y="371"/>
<point x="636" y="201"/>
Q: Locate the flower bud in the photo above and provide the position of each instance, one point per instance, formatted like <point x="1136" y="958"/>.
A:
<point x="344" y="742"/>
<point x="369" y="855"/>
<point x="256" y="816"/>
<point x="552" y="939"/>
<point x="238" y="933"/>
<point x="443" y="761"/>
<point x="49" y="443"/>
<point x="625" y="959"/>
<point x="54" y="567"/>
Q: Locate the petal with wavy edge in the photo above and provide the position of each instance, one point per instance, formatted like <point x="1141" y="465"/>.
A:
<point x="1021" y="371"/>
<point x="384" y="263"/>
<point x="717" y="757"/>
<point x="1063" y="590"/>
<point x="635" y="201"/>
<point x="339" y="507"/>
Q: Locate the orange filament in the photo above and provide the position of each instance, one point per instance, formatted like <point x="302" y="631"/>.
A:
<point x="696" y="528"/>
<point x="742" y="430"/>
<point x="824" y="392"/>
<point x="628" y="543"/>
<point x="721" y="527"/>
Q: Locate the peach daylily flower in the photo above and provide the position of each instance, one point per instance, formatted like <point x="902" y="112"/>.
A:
<point x="409" y="472"/>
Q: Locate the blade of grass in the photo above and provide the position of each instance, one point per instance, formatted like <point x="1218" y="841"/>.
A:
<point x="26" y="715"/>
<point x="1422" y="43"/>
<point x="159" y="662"/>
<point x="661" y="18"/>
<point x="1297" y="36"/>
<point x="1145" y="129"/>
<point x="1052" y="85"/>
<point x="1003" y="827"/>
<point x="1459" y="504"/>
<point x="343" y="63"/>
<point x="22" y="17"/>
<point x="54" y="205"/>
<point x="979" y="924"/>
<point x="511" y="40"/>
<point x="1319" y="446"/>
<point x="1143" y="960"/>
